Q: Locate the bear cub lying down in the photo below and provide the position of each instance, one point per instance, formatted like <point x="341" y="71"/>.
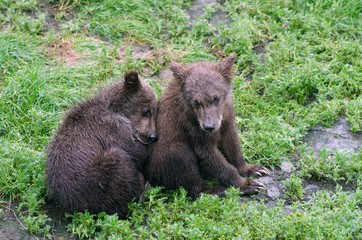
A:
<point x="95" y="160"/>
<point x="198" y="138"/>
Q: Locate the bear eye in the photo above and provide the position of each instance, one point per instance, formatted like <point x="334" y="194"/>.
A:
<point x="197" y="103"/>
<point x="147" y="112"/>
<point x="216" y="99"/>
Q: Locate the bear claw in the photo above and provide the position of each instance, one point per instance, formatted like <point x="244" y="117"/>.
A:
<point x="253" y="188"/>
<point x="262" y="171"/>
<point x="253" y="170"/>
<point x="260" y="185"/>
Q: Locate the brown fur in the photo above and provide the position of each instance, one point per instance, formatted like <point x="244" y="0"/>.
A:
<point x="96" y="158"/>
<point x="197" y="134"/>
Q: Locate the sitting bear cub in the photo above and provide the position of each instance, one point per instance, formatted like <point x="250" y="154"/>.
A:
<point x="95" y="160"/>
<point x="198" y="138"/>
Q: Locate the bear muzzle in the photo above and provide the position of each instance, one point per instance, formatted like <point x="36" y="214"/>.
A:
<point x="209" y="127"/>
<point x="152" y="137"/>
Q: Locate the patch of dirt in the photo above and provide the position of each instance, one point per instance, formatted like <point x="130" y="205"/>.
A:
<point x="52" y="13"/>
<point x="63" y="50"/>
<point x="163" y="77"/>
<point x="151" y="59"/>
<point x="59" y="223"/>
<point x="197" y="8"/>
<point x="13" y="228"/>
<point x="261" y="50"/>
<point x="138" y="51"/>
<point x="218" y="17"/>
<point x="152" y="56"/>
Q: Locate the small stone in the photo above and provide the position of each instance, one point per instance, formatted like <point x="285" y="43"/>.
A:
<point x="273" y="192"/>
<point x="287" y="167"/>
<point x="311" y="189"/>
<point x="265" y="180"/>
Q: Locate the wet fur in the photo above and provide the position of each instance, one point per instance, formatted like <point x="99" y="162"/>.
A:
<point x="94" y="161"/>
<point x="187" y="153"/>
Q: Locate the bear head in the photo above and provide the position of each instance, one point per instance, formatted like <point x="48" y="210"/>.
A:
<point x="138" y="103"/>
<point x="206" y="88"/>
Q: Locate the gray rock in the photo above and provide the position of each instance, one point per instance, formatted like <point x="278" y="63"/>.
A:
<point x="265" y="180"/>
<point x="287" y="167"/>
<point x="337" y="138"/>
<point x="273" y="192"/>
<point x="311" y="189"/>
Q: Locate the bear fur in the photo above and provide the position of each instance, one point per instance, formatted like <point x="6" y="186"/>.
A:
<point x="198" y="138"/>
<point x="95" y="160"/>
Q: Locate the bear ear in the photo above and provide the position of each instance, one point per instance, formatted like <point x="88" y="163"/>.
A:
<point x="225" y="66"/>
<point x="180" y="72"/>
<point x="131" y="81"/>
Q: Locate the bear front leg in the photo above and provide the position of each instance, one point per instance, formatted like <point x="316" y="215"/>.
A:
<point x="230" y="147"/>
<point x="174" y="165"/>
<point x="212" y="163"/>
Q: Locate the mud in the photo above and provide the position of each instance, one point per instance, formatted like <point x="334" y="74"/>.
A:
<point x="163" y="77"/>
<point x="63" y="51"/>
<point x="58" y="222"/>
<point x="197" y="9"/>
<point x="338" y="138"/>
<point x="137" y="51"/>
<point x="52" y="14"/>
<point x="261" y="49"/>
<point x="11" y="228"/>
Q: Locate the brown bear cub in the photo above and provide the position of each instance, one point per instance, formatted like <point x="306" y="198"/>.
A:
<point x="95" y="160"/>
<point x="198" y="138"/>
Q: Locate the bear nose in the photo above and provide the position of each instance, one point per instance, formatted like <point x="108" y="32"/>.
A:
<point x="152" y="137"/>
<point x="209" y="127"/>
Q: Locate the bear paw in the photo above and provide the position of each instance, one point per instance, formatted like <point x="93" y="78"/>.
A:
<point x="249" y="170"/>
<point x="250" y="187"/>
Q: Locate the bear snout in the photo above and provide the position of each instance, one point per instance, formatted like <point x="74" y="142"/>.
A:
<point x="152" y="137"/>
<point x="210" y="127"/>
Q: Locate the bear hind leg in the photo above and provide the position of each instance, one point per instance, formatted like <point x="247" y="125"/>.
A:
<point x="116" y="182"/>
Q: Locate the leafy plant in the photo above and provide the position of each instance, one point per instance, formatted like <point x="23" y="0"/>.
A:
<point x="171" y="215"/>
<point x="294" y="189"/>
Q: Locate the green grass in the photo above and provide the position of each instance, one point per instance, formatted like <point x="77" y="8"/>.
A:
<point x="172" y="216"/>
<point x="341" y="166"/>
<point x="311" y="75"/>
